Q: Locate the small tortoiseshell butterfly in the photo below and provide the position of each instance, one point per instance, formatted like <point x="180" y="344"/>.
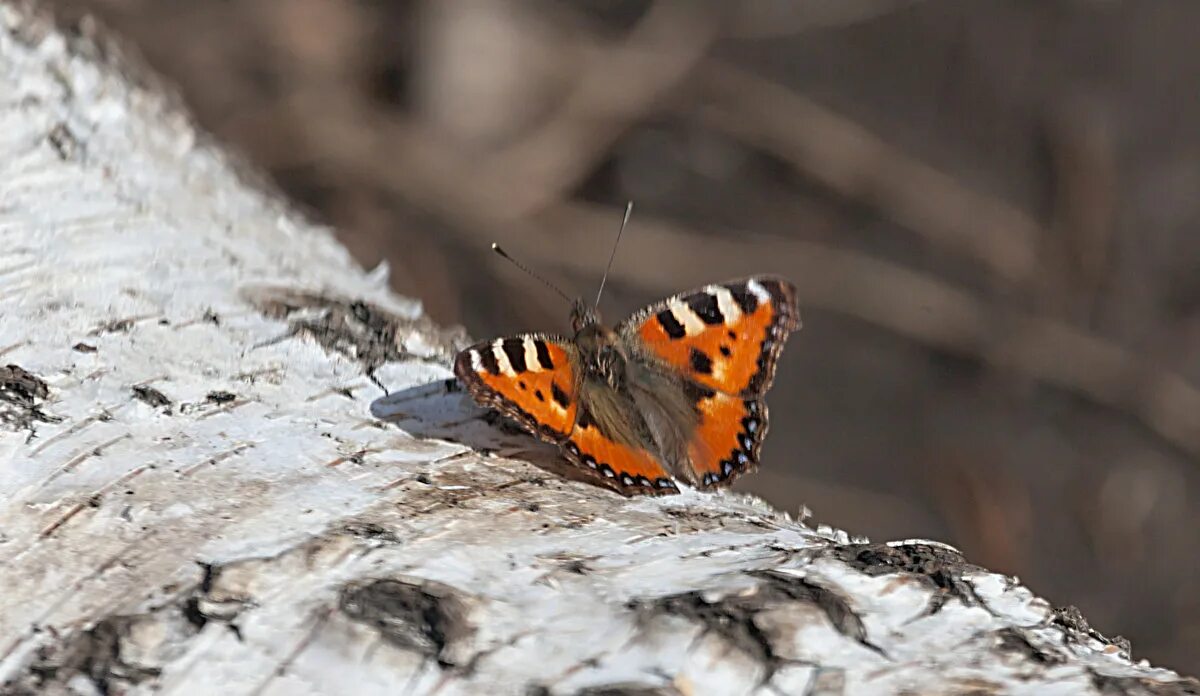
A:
<point x="674" y="392"/>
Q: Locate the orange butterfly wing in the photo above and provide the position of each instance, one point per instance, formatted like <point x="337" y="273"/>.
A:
<point x="628" y="470"/>
<point x="728" y="440"/>
<point x="532" y="379"/>
<point x="727" y="338"/>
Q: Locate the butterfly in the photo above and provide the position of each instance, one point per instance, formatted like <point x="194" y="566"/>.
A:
<point x="674" y="393"/>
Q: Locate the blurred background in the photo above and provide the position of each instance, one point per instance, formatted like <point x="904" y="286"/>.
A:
<point x="990" y="210"/>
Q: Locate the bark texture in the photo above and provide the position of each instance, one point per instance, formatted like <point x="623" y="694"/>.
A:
<point x="203" y="488"/>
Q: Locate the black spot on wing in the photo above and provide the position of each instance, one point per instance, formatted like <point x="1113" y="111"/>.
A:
<point x="538" y="393"/>
<point x="705" y="307"/>
<point x="666" y="319"/>
<point x="514" y="348"/>
<point x="725" y="351"/>
<point x="744" y="298"/>
<point x="543" y="355"/>
<point x="560" y="396"/>
<point x="487" y="356"/>
<point x="697" y="392"/>
<point x="701" y="362"/>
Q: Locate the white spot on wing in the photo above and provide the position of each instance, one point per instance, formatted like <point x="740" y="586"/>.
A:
<point x="758" y="290"/>
<point x="725" y="302"/>
<point x="502" y="358"/>
<point x="692" y="324"/>
<point x="476" y="361"/>
<point x="531" y="359"/>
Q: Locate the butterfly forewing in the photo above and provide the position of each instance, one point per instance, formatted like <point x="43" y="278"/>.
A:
<point x="726" y="336"/>
<point x="529" y="378"/>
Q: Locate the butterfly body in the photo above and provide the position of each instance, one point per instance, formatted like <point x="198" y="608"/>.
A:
<point x="632" y="397"/>
<point x="673" y="393"/>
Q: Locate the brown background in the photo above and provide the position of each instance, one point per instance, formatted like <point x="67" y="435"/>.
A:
<point x="990" y="209"/>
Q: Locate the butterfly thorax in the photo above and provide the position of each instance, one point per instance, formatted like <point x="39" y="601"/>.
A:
<point x="601" y="355"/>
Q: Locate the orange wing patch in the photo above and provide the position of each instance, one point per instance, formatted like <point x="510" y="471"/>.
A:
<point x="726" y="337"/>
<point x="529" y="378"/>
<point x="629" y="470"/>
<point x="728" y="440"/>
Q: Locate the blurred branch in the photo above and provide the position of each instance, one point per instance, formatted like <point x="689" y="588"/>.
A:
<point x="623" y="83"/>
<point x="764" y="19"/>
<point x="852" y="162"/>
<point x="1079" y="140"/>
<point x="619" y="86"/>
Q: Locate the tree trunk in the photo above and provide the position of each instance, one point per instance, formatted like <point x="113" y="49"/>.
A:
<point x="203" y="488"/>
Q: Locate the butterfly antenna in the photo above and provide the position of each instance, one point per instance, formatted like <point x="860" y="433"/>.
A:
<point x="496" y="248"/>
<point x="613" y="255"/>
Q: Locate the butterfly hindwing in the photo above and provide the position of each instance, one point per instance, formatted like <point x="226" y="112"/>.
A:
<point x="728" y="439"/>
<point x="627" y="469"/>
<point x="529" y="378"/>
<point x="726" y="336"/>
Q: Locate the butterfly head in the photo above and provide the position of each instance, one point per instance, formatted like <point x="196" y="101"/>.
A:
<point x="583" y="316"/>
<point x="598" y="345"/>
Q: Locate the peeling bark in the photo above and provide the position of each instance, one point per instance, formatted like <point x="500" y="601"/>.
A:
<point x="203" y="488"/>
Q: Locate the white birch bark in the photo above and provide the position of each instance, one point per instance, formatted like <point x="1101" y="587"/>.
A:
<point x="202" y="492"/>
